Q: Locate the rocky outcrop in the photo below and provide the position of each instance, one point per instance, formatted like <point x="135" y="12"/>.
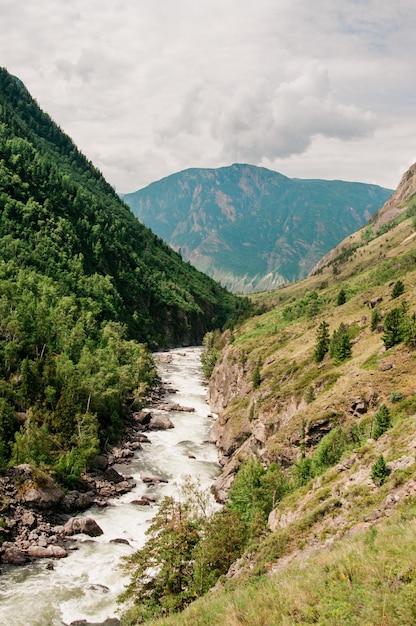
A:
<point x="241" y="433"/>
<point x="399" y="201"/>
<point x="35" y="510"/>
<point x="228" y="380"/>
<point x="37" y="490"/>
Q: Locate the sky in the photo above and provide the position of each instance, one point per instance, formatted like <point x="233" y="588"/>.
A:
<point x="147" y="88"/>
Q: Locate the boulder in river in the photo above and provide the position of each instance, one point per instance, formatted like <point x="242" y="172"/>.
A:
<point x="141" y="502"/>
<point x="150" y="479"/>
<point x="176" y="407"/>
<point x="14" y="556"/>
<point x="39" y="552"/>
<point x="160" y="422"/>
<point x="113" y="476"/>
<point x="150" y="421"/>
<point x="84" y="525"/>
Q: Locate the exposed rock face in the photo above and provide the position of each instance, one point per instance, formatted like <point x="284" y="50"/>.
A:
<point x="397" y="202"/>
<point x="238" y="435"/>
<point x="228" y="380"/>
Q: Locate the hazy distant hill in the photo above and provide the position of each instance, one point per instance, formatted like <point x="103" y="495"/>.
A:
<point x="249" y="227"/>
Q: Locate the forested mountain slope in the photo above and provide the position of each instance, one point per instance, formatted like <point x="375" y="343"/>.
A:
<point x="316" y="428"/>
<point x="81" y="282"/>
<point x="249" y="227"/>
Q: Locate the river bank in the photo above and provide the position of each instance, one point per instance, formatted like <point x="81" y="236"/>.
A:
<point x="123" y="491"/>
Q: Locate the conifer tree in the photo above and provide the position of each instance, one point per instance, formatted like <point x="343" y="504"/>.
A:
<point x="342" y="297"/>
<point x="163" y="569"/>
<point x="398" y="289"/>
<point x="340" y="346"/>
<point x="393" y="327"/>
<point x="322" y="341"/>
<point x="382" y="422"/>
<point x="380" y="471"/>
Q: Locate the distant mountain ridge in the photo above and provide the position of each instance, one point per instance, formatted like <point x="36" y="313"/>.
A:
<point x="251" y="228"/>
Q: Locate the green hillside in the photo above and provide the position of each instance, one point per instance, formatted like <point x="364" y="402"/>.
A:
<point x="316" y="430"/>
<point x="251" y="228"/>
<point x="81" y="283"/>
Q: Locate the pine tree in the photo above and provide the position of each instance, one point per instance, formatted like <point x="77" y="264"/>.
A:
<point x="380" y="471"/>
<point x="340" y="347"/>
<point x="342" y="297"/>
<point x="163" y="569"/>
<point x="382" y="422"/>
<point x="375" y="319"/>
<point x="398" y="289"/>
<point x="322" y="341"/>
<point x="393" y="327"/>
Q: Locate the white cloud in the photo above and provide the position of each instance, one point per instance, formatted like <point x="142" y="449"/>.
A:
<point x="147" y="89"/>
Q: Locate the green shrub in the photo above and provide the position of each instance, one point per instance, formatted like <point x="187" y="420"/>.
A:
<point x="396" y="396"/>
<point x="209" y="359"/>
<point x="302" y="471"/>
<point x="329" y="450"/>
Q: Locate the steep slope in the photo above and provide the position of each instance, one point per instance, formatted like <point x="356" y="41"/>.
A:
<point x="58" y="212"/>
<point x="81" y="283"/>
<point x="250" y="228"/>
<point x="316" y="403"/>
<point x="399" y="206"/>
<point x="294" y="388"/>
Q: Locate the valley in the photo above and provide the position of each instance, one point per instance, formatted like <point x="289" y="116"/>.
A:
<point x="311" y="385"/>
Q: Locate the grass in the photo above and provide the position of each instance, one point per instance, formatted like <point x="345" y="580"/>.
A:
<point x="366" y="579"/>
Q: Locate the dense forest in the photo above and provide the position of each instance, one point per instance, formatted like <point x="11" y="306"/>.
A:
<point x="85" y="292"/>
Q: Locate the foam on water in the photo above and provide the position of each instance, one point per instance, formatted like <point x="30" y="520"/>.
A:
<point x="85" y="585"/>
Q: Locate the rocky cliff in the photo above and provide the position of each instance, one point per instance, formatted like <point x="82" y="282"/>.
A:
<point x="274" y="400"/>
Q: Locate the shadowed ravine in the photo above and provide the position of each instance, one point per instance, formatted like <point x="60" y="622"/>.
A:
<point x="85" y="585"/>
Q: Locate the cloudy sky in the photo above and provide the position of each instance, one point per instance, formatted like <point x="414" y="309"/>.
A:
<point x="146" y="88"/>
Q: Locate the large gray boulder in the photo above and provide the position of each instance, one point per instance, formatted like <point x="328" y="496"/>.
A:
<point x="82" y="525"/>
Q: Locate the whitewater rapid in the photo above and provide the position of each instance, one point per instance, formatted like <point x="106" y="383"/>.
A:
<point x="85" y="585"/>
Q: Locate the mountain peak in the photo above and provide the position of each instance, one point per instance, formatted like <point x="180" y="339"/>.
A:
<point x="251" y="228"/>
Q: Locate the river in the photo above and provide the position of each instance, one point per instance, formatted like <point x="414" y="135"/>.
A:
<point x="85" y="585"/>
